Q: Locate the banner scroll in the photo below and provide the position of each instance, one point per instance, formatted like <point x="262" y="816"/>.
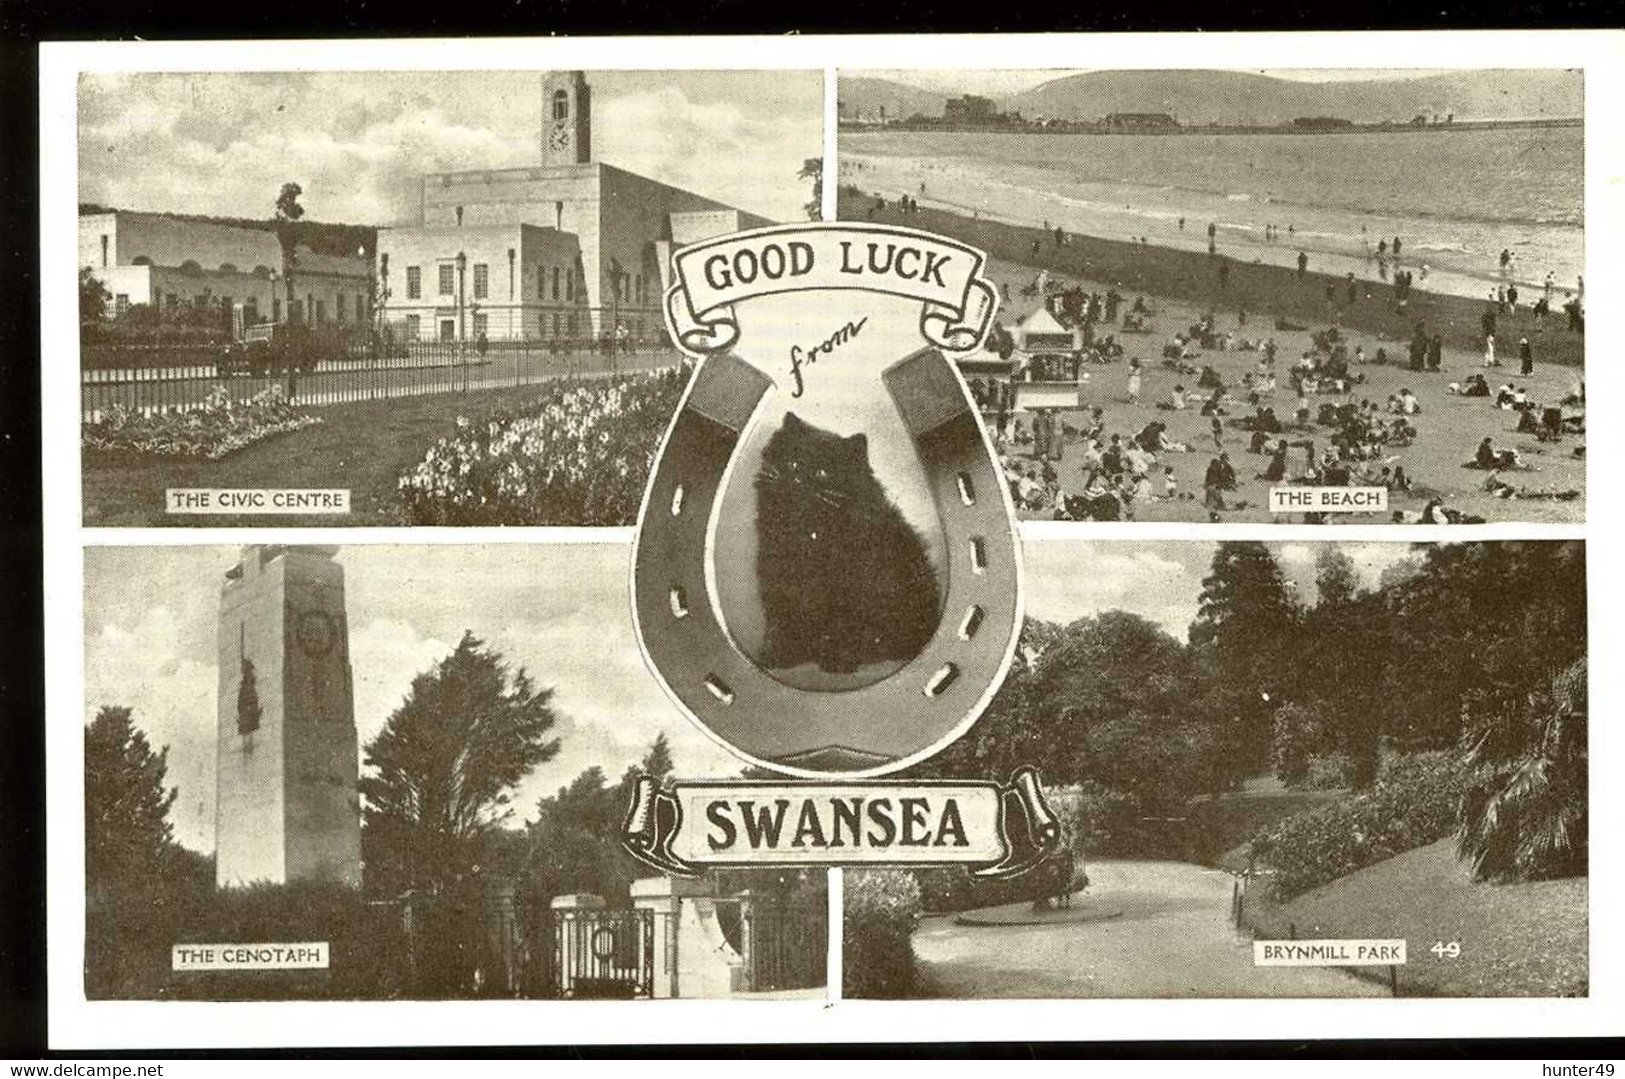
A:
<point x="997" y="831"/>
<point x="712" y="276"/>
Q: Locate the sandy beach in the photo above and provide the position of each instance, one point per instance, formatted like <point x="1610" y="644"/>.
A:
<point x="1180" y="286"/>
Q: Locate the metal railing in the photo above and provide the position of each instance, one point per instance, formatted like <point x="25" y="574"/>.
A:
<point x="145" y="384"/>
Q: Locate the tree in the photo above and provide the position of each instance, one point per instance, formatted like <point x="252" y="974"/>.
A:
<point x="657" y="763"/>
<point x="1244" y="626"/>
<point x="442" y="768"/>
<point x="93" y="296"/>
<point x="1525" y="814"/>
<point x="1340" y="662"/>
<point x="288" y="213"/>
<point x="128" y="836"/>
<point x="813" y="169"/>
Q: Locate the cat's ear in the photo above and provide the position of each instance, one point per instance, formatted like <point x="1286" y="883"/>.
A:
<point x="860" y="446"/>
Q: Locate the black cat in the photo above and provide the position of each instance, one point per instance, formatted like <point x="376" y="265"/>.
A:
<point x="844" y="578"/>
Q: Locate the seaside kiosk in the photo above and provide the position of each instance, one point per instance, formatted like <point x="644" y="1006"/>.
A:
<point x="1048" y="351"/>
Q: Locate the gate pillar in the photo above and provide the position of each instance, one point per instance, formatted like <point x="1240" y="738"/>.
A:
<point x="686" y="960"/>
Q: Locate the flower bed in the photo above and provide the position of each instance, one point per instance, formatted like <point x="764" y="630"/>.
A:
<point x="210" y="431"/>
<point x="580" y="455"/>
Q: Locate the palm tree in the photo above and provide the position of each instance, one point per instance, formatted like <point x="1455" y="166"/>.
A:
<point x="1524" y="814"/>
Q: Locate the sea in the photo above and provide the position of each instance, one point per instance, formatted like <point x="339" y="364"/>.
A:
<point x="1455" y="199"/>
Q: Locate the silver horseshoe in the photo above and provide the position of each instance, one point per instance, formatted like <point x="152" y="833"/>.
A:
<point x="870" y="730"/>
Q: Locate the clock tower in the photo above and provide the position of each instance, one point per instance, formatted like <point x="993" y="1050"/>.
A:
<point x="566" y="119"/>
<point x="287" y="805"/>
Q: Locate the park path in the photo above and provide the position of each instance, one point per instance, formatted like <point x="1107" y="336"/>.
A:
<point x="1173" y="938"/>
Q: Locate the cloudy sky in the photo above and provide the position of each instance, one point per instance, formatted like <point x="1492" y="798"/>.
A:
<point x="561" y="610"/>
<point x="224" y="143"/>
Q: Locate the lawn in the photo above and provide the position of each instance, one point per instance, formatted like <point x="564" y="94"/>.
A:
<point x="1223" y="824"/>
<point x="1517" y="940"/>
<point x="363" y="446"/>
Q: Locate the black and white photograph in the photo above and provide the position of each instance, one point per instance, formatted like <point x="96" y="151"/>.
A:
<point x="439" y="293"/>
<point x="400" y="759"/>
<point x="870" y="538"/>
<point x="1272" y="751"/>
<point x="1215" y="284"/>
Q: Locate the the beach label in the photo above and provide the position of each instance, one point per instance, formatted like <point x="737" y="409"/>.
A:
<point x="1328" y="499"/>
<point x="289" y="500"/>
<point x="1328" y="953"/>
<point x="309" y="955"/>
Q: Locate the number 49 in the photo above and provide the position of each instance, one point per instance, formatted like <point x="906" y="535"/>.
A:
<point x="1441" y="950"/>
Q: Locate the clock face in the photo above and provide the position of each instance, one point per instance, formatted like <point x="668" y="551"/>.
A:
<point x="560" y="138"/>
<point x="316" y="633"/>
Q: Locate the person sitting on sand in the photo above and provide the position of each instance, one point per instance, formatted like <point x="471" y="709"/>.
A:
<point x="1408" y="404"/>
<point x="1170" y="485"/>
<point x="1176" y="400"/>
<point x="1503" y="396"/>
<point x="1490" y="459"/>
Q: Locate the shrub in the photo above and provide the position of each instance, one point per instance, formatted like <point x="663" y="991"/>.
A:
<point x="210" y="431"/>
<point x="882" y="908"/>
<point x="1413" y="804"/>
<point x="129" y="935"/>
<point x="580" y="455"/>
<point x="1294" y="736"/>
<point x="1328" y="772"/>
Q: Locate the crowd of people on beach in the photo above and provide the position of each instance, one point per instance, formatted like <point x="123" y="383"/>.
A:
<point x="1328" y="436"/>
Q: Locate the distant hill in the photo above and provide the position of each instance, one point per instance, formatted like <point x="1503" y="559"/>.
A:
<point x="864" y="97"/>
<point x="323" y="237"/>
<point x="1235" y="97"/>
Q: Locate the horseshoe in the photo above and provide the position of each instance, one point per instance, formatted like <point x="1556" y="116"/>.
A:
<point x="877" y="728"/>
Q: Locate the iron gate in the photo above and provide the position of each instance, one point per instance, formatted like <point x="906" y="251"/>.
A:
<point x="603" y="953"/>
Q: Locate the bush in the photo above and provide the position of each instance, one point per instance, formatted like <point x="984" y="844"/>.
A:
<point x="882" y="908"/>
<point x="1328" y="772"/>
<point x="129" y="936"/>
<point x="580" y="455"/>
<point x="1295" y="731"/>
<point x="1412" y="804"/>
<point x="212" y="430"/>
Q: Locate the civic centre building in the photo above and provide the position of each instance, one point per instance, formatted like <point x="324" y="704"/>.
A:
<point x="568" y="249"/>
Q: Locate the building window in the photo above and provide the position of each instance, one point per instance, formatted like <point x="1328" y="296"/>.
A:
<point x="570" y="286"/>
<point x="459" y="216"/>
<point x="414" y="327"/>
<point x="251" y="311"/>
<point x="570" y="325"/>
<point x="561" y="105"/>
<point x="448" y="330"/>
<point x="276" y="307"/>
<point x="360" y="308"/>
<point x="555" y="324"/>
<point x="482" y="280"/>
<point x="296" y="312"/>
<point x="338" y="307"/>
<point x="321" y="312"/>
<point x="448" y="279"/>
<point x="121" y="303"/>
<point x="414" y="282"/>
<point x="481" y="323"/>
<point x="555" y="284"/>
